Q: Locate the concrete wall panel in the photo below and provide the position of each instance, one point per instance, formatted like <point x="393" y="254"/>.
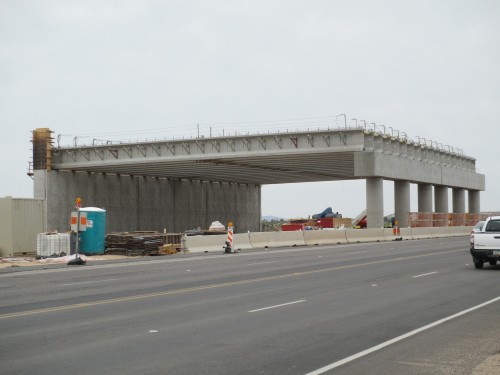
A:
<point x="221" y="204"/>
<point x="155" y="210"/>
<point x="189" y="205"/>
<point x="247" y="208"/>
<point x="145" y="203"/>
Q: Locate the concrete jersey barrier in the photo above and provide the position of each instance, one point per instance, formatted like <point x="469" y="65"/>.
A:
<point x="256" y="240"/>
<point x="241" y="241"/>
<point x="200" y="244"/>
<point x="420" y="233"/>
<point x="437" y="232"/>
<point x="276" y="239"/>
<point x="365" y="235"/>
<point x="325" y="237"/>
<point x="404" y="234"/>
<point x="459" y="231"/>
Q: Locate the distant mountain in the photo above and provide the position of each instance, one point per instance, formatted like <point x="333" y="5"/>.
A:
<point x="271" y="218"/>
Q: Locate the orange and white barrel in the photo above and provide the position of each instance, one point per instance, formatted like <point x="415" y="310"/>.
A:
<point x="230" y="235"/>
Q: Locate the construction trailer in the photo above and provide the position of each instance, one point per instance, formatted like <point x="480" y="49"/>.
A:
<point x="21" y="219"/>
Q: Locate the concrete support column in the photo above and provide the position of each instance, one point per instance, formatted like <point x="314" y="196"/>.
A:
<point x="458" y="201"/>
<point x="474" y="203"/>
<point x="441" y="199"/>
<point x="40" y="183"/>
<point x="40" y="191"/>
<point x="402" y="202"/>
<point x="374" y="202"/>
<point x="424" y="198"/>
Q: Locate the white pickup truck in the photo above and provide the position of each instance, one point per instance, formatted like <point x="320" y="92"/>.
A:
<point x="485" y="243"/>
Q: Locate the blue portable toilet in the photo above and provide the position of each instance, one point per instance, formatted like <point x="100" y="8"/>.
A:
<point x="92" y="239"/>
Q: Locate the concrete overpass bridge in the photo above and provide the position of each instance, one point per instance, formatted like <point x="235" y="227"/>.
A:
<point x="181" y="184"/>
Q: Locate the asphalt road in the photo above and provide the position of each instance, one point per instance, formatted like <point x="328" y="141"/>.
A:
<point x="378" y="308"/>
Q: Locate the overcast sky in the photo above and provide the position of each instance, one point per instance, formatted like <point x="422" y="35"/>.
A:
<point x="155" y="69"/>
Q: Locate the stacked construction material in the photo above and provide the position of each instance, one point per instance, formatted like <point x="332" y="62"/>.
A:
<point x="136" y="243"/>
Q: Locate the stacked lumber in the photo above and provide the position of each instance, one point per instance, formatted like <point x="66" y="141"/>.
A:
<point x="137" y="243"/>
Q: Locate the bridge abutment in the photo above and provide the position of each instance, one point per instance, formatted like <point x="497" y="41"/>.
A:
<point x="137" y="203"/>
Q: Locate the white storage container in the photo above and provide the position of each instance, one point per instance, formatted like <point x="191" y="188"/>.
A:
<point x="48" y="245"/>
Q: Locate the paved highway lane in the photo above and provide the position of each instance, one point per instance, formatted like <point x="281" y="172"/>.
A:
<point x="289" y="311"/>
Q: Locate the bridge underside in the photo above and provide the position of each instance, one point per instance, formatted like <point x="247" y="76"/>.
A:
<point x="258" y="170"/>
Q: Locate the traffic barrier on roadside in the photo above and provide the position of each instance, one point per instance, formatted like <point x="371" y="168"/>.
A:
<point x="420" y="233"/>
<point x="276" y="239"/>
<point x="404" y="234"/>
<point x="325" y="237"/>
<point x="241" y="241"/>
<point x="438" y="232"/>
<point x="200" y="244"/>
<point x="245" y="241"/>
<point x="365" y="235"/>
<point x="459" y="231"/>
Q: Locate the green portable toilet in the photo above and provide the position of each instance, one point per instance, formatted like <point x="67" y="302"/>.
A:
<point x="92" y="239"/>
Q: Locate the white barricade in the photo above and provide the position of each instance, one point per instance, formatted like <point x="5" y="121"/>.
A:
<point x="276" y="239"/>
<point x="241" y="241"/>
<point x="420" y="233"/>
<point x="325" y="237"/>
<point x="200" y="244"/>
<point x="365" y="235"/>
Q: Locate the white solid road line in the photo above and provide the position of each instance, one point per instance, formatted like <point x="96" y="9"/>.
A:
<point x="424" y="274"/>
<point x="375" y="348"/>
<point x="254" y="264"/>
<point x="272" y="307"/>
<point x="88" y="282"/>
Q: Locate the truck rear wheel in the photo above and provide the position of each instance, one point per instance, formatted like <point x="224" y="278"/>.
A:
<point x="492" y="262"/>
<point x="478" y="263"/>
